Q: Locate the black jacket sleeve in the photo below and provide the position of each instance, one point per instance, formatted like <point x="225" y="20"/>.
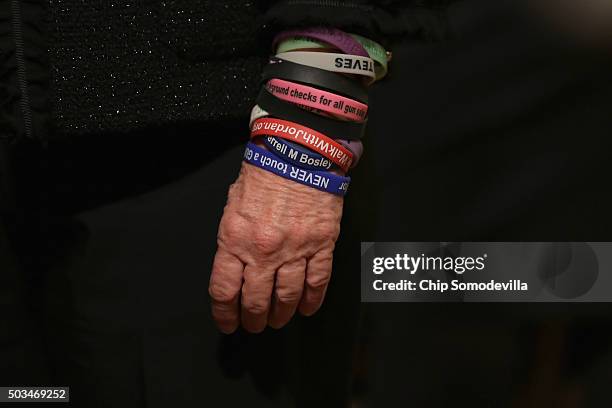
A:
<point x="381" y="20"/>
<point x="117" y="68"/>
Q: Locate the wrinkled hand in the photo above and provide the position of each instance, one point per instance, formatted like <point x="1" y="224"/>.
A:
<point x="275" y="248"/>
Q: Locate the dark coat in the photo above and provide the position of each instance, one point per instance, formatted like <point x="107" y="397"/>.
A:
<point x="73" y="68"/>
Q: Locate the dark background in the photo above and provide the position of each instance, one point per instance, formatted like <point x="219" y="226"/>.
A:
<point x="505" y="135"/>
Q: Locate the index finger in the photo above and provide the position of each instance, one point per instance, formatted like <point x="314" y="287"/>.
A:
<point x="224" y="289"/>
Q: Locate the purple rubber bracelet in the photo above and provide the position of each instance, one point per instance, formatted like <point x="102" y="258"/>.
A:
<point x="321" y="180"/>
<point x="332" y="36"/>
<point x="356" y="147"/>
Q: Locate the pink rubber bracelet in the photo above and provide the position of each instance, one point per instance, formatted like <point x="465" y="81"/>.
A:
<point x="318" y="99"/>
<point x="332" y="36"/>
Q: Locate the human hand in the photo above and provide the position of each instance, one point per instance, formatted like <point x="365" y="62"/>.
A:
<point x="275" y="248"/>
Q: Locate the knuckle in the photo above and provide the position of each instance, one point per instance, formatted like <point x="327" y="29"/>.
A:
<point x="328" y="237"/>
<point x="267" y="240"/>
<point x="232" y="228"/>
<point x="318" y="281"/>
<point x="256" y="307"/>
<point x="326" y="233"/>
<point x="222" y="293"/>
<point x="330" y="233"/>
<point x="288" y="295"/>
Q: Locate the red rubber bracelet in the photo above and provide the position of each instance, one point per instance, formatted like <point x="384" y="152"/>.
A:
<point x="312" y="139"/>
<point x="318" y="99"/>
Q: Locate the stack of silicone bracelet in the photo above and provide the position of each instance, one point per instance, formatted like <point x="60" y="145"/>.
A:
<point x="312" y="109"/>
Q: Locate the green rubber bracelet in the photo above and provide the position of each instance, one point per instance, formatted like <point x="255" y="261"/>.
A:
<point x="377" y="53"/>
<point x="375" y="50"/>
<point x="295" y="43"/>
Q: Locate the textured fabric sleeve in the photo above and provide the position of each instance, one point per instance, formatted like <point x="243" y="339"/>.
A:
<point x="24" y="71"/>
<point x="118" y="67"/>
<point x="382" y="20"/>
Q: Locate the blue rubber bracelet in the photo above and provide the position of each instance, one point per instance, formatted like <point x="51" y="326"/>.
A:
<point x="297" y="154"/>
<point x="321" y="180"/>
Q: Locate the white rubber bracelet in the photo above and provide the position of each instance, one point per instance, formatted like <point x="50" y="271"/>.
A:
<point x="257" y="113"/>
<point x="341" y="63"/>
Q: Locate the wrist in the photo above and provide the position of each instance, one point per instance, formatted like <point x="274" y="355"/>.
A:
<point x="263" y="183"/>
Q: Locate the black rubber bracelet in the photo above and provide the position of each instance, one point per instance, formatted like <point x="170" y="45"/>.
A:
<point x="333" y="128"/>
<point x="331" y="81"/>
